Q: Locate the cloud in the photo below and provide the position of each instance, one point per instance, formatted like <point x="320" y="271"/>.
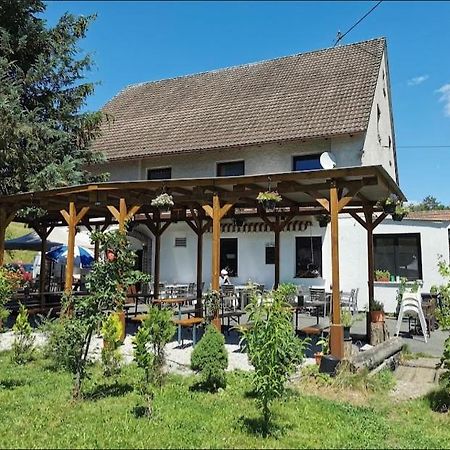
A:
<point x="445" y="97"/>
<point x="417" y="80"/>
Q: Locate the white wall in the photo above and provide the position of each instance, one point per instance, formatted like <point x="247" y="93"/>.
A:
<point x="378" y="149"/>
<point x="179" y="264"/>
<point x="259" y="159"/>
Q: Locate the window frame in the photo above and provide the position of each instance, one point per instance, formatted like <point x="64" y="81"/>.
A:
<point x="320" y="265"/>
<point x="224" y="163"/>
<point x="296" y="158"/>
<point x="236" y="274"/>
<point x="396" y="237"/>
<point x="150" y="169"/>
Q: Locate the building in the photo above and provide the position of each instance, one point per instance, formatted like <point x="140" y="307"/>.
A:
<point x="274" y="116"/>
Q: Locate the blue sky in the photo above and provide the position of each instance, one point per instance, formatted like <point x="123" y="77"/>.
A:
<point x="140" y="41"/>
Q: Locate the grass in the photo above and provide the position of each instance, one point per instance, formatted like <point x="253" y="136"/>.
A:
<point x="37" y="411"/>
<point x="13" y="231"/>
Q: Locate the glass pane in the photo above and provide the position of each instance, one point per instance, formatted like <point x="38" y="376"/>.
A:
<point x="308" y="257"/>
<point x="230" y="169"/>
<point x="160" y="174"/>
<point x="229" y="256"/>
<point x="385" y="254"/>
<point x="408" y="256"/>
<point x="310" y="162"/>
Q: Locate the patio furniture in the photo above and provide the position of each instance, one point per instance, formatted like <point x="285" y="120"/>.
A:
<point x="412" y="302"/>
<point x="349" y="300"/>
<point x="318" y="299"/>
<point x="193" y="323"/>
<point x="172" y="302"/>
<point x="229" y="297"/>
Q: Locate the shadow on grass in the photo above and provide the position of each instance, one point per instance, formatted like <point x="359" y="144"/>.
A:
<point x="11" y="384"/>
<point x="140" y="411"/>
<point x="257" y="426"/>
<point x="439" y="400"/>
<point x="108" y="390"/>
<point x="200" y="386"/>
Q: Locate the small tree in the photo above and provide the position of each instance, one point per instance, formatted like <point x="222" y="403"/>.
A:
<point x="210" y="358"/>
<point x="111" y="357"/>
<point x="443" y="314"/>
<point x="272" y="346"/>
<point x="23" y="345"/>
<point x="149" y="350"/>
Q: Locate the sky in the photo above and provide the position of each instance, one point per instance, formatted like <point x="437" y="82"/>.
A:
<point x="136" y="41"/>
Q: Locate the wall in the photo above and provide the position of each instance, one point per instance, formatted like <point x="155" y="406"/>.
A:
<point x="259" y="159"/>
<point x="378" y="149"/>
<point x="178" y="264"/>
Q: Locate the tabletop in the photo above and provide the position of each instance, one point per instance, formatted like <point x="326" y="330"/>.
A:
<point x="170" y="301"/>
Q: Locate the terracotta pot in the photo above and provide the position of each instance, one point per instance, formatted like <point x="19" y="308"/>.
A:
<point x="318" y="357"/>
<point x="376" y="316"/>
<point x="121" y="316"/>
<point x="383" y="279"/>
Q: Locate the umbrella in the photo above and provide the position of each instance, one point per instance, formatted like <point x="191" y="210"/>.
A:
<point x="84" y="257"/>
<point x="30" y="241"/>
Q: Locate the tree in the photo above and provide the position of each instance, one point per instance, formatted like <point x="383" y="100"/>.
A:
<point x="429" y="203"/>
<point x="44" y="135"/>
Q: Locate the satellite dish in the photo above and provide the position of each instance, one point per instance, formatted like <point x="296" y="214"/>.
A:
<point x="327" y="160"/>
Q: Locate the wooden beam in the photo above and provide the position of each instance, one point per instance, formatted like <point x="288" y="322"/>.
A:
<point x="336" y="329"/>
<point x="348" y="197"/>
<point x="319" y="199"/>
<point x="122" y="215"/>
<point x="6" y="217"/>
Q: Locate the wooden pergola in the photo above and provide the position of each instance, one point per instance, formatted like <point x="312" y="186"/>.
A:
<point x="205" y="202"/>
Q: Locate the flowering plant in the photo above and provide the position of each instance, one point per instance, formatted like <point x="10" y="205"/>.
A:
<point x="269" y="196"/>
<point x="211" y="300"/>
<point x="163" y="200"/>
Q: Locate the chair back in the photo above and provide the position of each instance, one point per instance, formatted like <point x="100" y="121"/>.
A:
<point x="317" y="294"/>
<point x="227" y="289"/>
<point x="131" y="290"/>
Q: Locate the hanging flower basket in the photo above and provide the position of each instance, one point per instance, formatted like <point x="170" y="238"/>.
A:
<point x="164" y="202"/>
<point x="390" y="203"/>
<point x="398" y="217"/>
<point x="400" y="213"/>
<point x="269" y="200"/>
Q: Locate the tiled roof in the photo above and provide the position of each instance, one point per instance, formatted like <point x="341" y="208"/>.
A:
<point x="437" y="215"/>
<point x="322" y="93"/>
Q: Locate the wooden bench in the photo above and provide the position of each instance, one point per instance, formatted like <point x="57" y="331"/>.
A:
<point x="313" y="330"/>
<point x="191" y="322"/>
<point x="139" y="318"/>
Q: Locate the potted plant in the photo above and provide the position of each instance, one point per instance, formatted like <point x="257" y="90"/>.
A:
<point x="390" y="203"/>
<point x="346" y="321"/>
<point x="324" y="349"/>
<point x="323" y="220"/>
<point x="269" y="199"/>
<point x="163" y="202"/>
<point x="377" y="312"/>
<point x="382" y="275"/>
<point x="211" y="301"/>
<point x="400" y="212"/>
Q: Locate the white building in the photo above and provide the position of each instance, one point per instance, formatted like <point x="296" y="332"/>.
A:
<point x="274" y="116"/>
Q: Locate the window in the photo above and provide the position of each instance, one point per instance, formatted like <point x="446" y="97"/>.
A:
<point x="231" y="169"/>
<point x="164" y="173"/>
<point x="180" y="242"/>
<point x="229" y="256"/>
<point x="400" y="254"/>
<point x="270" y="254"/>
<point x="307" y="162"/>
<point x="308" y="257"/>
<point x="378" y="123"/>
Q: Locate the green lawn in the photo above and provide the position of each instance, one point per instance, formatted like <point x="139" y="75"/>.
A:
<point x="36" y="410"/>
<point x="13" y="231"/>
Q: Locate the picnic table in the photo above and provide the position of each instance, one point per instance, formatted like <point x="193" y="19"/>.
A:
<point x="172" y="301"/>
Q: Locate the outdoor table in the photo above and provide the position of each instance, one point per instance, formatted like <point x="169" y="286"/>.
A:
<point x="136" y="296"/>
<point x="172" y="301"/>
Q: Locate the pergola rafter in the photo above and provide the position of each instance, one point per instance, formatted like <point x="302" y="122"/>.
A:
<point x="200" y="201"/>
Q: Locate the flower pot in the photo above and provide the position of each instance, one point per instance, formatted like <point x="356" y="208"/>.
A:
<point x="347" y="336"/>
<point x="398" y="217"/>
<point x="318" y="357"/>
<point x="121" y="316"/>
<point x="389" y="208"/>
<point x="269" y="205"/>
<point x="383" y="279"/>
<point x="328" y="364"/>
<point x="376" y="316"/>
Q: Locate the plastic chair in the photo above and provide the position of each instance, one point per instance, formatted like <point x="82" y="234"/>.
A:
<point x="412" y="302"/>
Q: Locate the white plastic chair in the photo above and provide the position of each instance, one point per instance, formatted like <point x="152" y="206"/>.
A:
<point x="412" y="302"/>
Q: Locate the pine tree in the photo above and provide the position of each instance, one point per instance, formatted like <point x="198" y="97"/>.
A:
<point x="44" y="134"/>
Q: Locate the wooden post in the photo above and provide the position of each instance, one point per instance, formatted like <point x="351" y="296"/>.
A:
<point x="216" y="213"/>
<point x="72" y="218"/>
<point x="277" y="258"/>
<point x="336" y="329"/>
<point x="122" y="215"/>
<point x="43" y="232"/>
<point x="6" y="217"/>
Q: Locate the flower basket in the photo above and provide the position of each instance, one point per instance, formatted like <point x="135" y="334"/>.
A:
<point x="164" y="202"/>
<point x="398" y="217"/>
<point x="323" y="220"/>
<point x="269" y="200"/>
<point x="389" y="208"/>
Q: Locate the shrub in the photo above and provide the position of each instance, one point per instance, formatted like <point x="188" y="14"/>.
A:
<point x="111" y="357"/>
<point x="9" y="281"/>
<point x="23" y="345"/>
<point x="210" y="358"/>
<point x="273" y="348"/>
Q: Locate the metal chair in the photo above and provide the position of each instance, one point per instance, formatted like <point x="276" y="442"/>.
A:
<point x="229" y="297"/>
<point x="349" y="300"/>
<point x="412" y="302"/>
